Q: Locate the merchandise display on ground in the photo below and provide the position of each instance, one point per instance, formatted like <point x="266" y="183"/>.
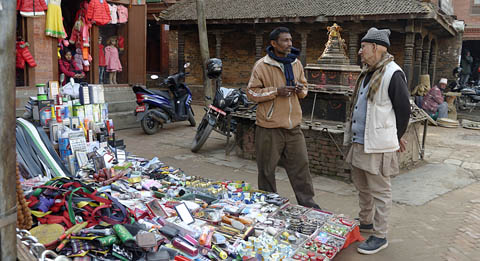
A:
<point x="95" y="201"/>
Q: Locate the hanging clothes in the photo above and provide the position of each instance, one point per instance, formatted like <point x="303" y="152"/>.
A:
<point x="78" y="58"/>
<point x="113" y="13"/>
<point x="80" y="31"/>
<point x="101" y="56"/>
<point x="98" y="12"/>
<point x="122" y="12"/>
<point x="121" y="43"/>
<point x="54" y="25"/>
<point x="31" y="7"/>
<point x="24" y="55"/>
<point x="112" y="59"/>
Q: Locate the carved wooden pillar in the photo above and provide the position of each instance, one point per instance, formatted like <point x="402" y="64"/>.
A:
<point x="418" y="61"/>
<point x="433" y="63"/>
<point x="408" y="59"/>
<point x="353" y="47"/>
<point x="218" y="50"/>
<point x="303" y="51"/>
<point x="258" y="44"/>
<point x="181" y="49"/>
<point x="426" y="57"/>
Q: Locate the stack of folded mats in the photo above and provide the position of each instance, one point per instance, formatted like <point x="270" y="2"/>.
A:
<point x="448" y="123"/>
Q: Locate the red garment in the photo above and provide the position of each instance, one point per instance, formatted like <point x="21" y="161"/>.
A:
<point x="26" y="7"/>
<point x="432" y="99"/>
<point x="101" y="56"/>
<point x="121" y="43"/>
<point x="98" y="12"/>
<point x="68" y="68"/>
<point x="80" y="31"/>
<point x="24" y="55"/>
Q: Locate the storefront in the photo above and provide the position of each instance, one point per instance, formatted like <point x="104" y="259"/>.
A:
<point x="90" y="31"/>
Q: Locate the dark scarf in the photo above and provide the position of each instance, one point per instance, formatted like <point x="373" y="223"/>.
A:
<point x="287" y="63"/>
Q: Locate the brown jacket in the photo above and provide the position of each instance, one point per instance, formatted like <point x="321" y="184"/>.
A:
<point x="275" y="111"/>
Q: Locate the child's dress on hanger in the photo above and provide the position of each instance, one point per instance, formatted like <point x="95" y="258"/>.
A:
<point x="54" y="24"/>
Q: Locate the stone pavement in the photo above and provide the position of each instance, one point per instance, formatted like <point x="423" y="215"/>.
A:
<point x="436" y="210"/>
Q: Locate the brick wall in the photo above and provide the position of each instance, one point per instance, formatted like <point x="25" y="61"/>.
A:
<point x="447" y="59"/>
<point x="325" y="158"/>
<point x="42" y="49"/>
<point x="238" y="50"/>
<point x="238" y="53"/>
<point x="463" y="11"/>
<point x="173" y="52"/>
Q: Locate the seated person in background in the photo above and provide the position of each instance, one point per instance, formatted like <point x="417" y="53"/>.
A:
<point x="421" y="89"/>
<point x="69" y="68"/>
<point x="433" y="102"/>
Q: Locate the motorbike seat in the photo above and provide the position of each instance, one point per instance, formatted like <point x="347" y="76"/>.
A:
<point x="164" y="94"/>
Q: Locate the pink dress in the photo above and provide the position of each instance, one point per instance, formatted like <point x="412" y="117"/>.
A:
<point x="122" y="12"/>
<point x="112" y="60"/>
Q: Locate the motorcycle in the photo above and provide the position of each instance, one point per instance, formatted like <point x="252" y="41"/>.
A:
<point x="470" y="94"/>
<point x="157" y="107"/>
<point x="217" y="114"/>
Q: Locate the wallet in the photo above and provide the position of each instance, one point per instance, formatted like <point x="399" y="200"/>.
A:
<point x="169" y="231"/>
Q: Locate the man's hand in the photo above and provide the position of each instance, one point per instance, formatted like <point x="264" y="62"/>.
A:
<point x="284" y="91"/>
<point x="403" y="145"/>
<point x="299" y="88"/>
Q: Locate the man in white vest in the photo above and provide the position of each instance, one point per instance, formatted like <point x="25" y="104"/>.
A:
<point x="378" y="119"/>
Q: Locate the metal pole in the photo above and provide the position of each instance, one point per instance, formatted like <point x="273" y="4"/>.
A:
<point x="203" y="38"/>
<point x="8" y="248"/>
<point x="424" y="138"/>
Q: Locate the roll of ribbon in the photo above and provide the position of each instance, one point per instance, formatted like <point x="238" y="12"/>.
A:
<point x="124" y="236"/>
<point x="108" y="240"/>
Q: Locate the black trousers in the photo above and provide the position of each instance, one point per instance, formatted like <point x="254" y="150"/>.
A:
<point x="287" y="147"/>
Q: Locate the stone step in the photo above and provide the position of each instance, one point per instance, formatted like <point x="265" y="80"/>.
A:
<point x="124" y="120"/>
<point x="121" y="106"/>
<point x="119" y="94"/>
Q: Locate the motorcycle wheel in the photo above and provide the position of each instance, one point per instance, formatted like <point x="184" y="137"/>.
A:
<point x="462" y="103"/>
<point x="191" y="119"/>
<point x="149" y="125"/>
<point x="203" y="131"/>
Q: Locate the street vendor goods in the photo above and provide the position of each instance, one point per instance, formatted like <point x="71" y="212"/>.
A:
<point x="95" y="201"/>
<point x="154" y="210"/>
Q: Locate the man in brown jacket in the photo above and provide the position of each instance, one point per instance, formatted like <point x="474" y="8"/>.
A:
<point x="277" y="83"/>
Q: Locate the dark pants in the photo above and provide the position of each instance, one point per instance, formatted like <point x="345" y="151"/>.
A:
<point x="287" y="147"/>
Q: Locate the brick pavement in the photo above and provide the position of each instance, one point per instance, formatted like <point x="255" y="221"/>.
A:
<point x="465" y="245"/>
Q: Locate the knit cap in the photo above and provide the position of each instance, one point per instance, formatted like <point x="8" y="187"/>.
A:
<point x="377" y="36"/>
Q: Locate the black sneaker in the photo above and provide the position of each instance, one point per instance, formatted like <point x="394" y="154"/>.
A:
<point x="372" y="245"/>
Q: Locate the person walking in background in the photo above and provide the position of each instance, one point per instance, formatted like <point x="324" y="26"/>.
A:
<point x="378" y="119"/>
<point x="466" y="65"/>
<point x="276" y="84"/>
